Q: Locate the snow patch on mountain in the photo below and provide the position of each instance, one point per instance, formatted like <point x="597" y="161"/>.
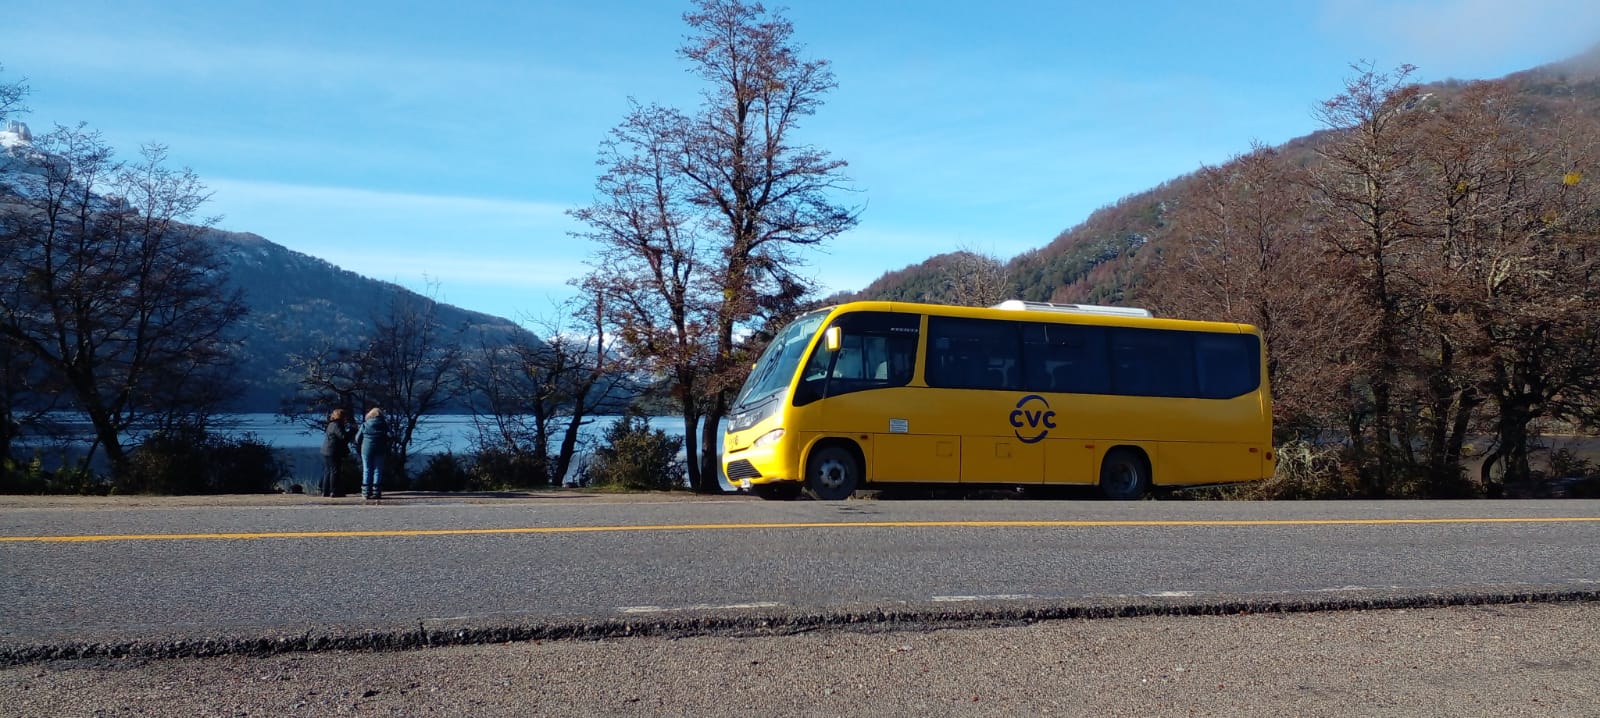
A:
<point x="16" y="134"/>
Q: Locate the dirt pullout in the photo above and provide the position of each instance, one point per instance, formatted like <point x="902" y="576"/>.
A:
<point x="1533" y="659"/>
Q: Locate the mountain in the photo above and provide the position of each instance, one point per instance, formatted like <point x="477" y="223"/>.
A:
<point x="1103" y="260"/>
<point x="299" y="303"/>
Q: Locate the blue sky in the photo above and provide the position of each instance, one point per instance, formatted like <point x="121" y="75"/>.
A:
<point x="441" y="143"/>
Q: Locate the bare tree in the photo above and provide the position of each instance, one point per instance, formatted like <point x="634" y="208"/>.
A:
<point x="412" y="366"/>
<point x="1362" y="190"/>
<point x="1512" y="272"/>
<point x="700" y="216"/>
<point x="1449" y="287"/>
<point x="19" y="377"/>
<point x="1239" y="252"/>
<point x="409" y="365"/>
<point x="977" y="279"/>
<point x="12" y="95"/>
<point x="117" y="293"/>
<point x="529" y="393"/>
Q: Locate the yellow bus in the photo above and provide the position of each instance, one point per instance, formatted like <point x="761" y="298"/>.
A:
<point x="869" y="394"/>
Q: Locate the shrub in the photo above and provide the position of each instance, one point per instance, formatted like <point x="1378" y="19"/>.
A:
<point x="1305" y="471"/>
<point x="191" y="460"/>
<point x="634" y="456"/>
<point x="445" y="472"/>
<point x="1573" y="476"/>
<point x="246" y="465"/>
<point x="510" y="469"/>
<point x="72" y="477"/>
<point x="1566" y="464"/>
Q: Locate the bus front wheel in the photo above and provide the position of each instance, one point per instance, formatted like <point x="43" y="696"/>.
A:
<point x="832" y="474"/>
<point x="1124" y="475"/>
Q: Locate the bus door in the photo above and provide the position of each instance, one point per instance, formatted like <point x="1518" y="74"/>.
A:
<point x="866" y="393"/>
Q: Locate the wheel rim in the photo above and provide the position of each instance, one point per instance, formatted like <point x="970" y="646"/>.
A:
<point x="832" y="473"/>
<point x="1124" y="478"/>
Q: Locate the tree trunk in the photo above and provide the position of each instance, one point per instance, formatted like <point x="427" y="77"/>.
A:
<point x="1492" y="488"/>
<point x="691" y="440"/>
<point x="1465" y="408"/>
<point x="1379" y="479"/>
<point x="569" y="446"/>
<point x="1513" y="429"/>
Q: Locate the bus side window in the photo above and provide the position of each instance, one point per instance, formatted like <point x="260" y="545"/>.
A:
<point x="1152" y="363"/>
<point x="1079" y="354"/>
<point x="902" y="360"/>
<point x="848" y="365"/>
<point x="968" y="349"/>
<point x="1061" y="377"/>
<point x="1227" y="365"/>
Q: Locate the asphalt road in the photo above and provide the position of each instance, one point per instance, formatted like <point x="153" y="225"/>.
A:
<point x="273" y="606"/>
<point x="303" y="566"/>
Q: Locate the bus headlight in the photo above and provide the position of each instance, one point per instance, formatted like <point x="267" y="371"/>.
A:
<point x="768" y="439"/>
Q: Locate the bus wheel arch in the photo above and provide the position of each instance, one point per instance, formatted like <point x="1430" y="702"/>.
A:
<point x="1125" y="473"/>
<point x="835" y="468"/>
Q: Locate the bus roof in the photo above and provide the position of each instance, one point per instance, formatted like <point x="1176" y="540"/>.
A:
<point x="1101" y="315"/>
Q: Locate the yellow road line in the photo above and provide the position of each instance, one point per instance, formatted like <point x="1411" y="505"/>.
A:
<point x="812" y="525"/>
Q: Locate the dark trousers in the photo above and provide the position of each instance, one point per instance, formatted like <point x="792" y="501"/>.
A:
<point x="330" y="474"/>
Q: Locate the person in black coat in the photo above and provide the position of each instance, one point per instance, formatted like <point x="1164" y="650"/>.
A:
<point x="335" y="447"/>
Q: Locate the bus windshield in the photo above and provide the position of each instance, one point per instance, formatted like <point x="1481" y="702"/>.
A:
<point x="775" y="368"/>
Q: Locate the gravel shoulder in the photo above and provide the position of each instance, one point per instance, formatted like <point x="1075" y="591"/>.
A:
<point x="1503" y="660"/>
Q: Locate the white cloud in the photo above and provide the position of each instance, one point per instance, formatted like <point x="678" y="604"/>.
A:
<point x="1468" y="38"/>
<point x="155" y="52"/>
<point x="384" y="205"/>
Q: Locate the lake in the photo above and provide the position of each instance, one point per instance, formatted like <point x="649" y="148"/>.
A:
<point x="434" y="435"/>
<point x="300" y="446"/>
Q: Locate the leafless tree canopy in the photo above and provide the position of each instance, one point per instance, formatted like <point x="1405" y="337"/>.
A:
<point x="409" y="365"/>
<point x="977" y="279"/>
<point x="1426" y="275"/>
<point x="700" y="217"/>
<point x="117" y="299"/>
<point x="532" y="394"/>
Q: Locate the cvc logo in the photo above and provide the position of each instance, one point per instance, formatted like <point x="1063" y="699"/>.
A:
<point x="1034" y="414"/>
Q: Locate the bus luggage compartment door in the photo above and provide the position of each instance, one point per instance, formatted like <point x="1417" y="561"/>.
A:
<point x="916" y="458"/>
<point x="1001" y="460"/>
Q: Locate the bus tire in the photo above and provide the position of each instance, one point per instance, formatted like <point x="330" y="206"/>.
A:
<point x="1124" y="475"/>
<point x="832" y="473"/>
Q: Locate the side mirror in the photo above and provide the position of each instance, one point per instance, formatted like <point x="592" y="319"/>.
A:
<point x="833" y="338"/>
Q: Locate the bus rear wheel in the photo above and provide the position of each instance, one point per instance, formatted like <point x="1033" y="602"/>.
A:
<point x="832" y="474"/>
<point x="1124" y="475"/>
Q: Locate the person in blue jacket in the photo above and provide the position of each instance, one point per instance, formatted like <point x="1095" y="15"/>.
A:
<point x="372" y="441"/>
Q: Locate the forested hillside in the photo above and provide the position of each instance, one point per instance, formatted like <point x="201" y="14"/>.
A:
<point x="1424" y="269"/>
<point x="1105" y="258"/>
